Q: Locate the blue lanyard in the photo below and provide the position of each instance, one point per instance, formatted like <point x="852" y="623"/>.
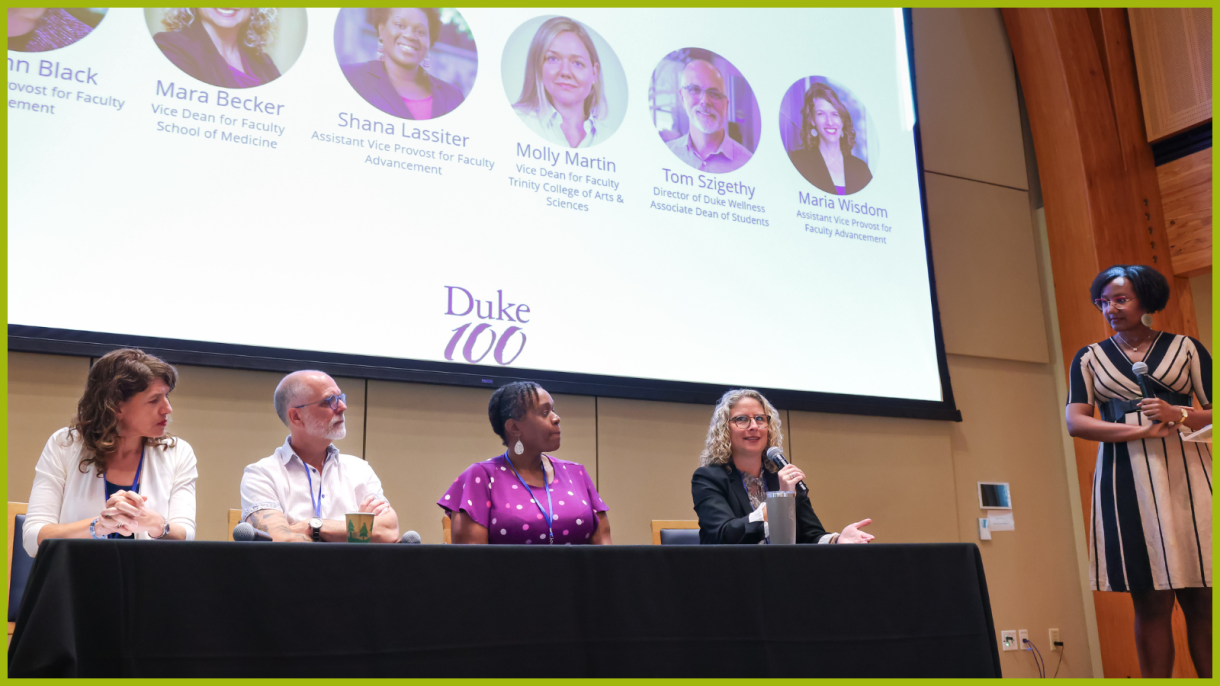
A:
<point x="548" y="515"/>
<point x="135" y="486"/>
<point x="317" y="507"/>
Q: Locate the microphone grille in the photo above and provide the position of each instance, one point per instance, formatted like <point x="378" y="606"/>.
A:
<point x="1139" y="368"/>
<point x="243" y="532"/>
<point x="775" y="454"/>
<point x="411" y="537"/>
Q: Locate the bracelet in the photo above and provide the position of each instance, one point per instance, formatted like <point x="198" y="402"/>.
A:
<point x="92" y="532"/>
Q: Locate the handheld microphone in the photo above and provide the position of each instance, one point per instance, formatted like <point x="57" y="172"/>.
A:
<point x="776" y="456"/>
<point x="1141" y="375"/>
<point x="411" y="537"/>
<point x="246" y="532"/>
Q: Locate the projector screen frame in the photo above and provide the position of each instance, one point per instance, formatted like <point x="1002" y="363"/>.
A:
<point x="32" y="339"/>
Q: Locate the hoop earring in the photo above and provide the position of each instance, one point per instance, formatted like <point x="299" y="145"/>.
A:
<point x="1146" y="319"/>
<point x="518" y="449"/>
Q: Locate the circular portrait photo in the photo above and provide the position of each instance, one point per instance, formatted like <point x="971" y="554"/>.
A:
<point x="825" y="131"/>
<point x="39" y="29"/>
<point x="230" y="47"/>
<point x="704" y="110"/>
<point x="564" y="82"/>
<point x="409" y="62"/>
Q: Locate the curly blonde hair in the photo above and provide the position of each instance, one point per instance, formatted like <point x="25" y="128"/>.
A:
<point x="260" y="30"/>
<point x="115" y="377"/>
<point x="718" y="449"/>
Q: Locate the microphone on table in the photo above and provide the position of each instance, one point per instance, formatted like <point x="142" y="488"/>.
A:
<point x="776" y="456"/>
<point x="1141" y="375"/>
<point x="411" y="537"/>
<point x="246" y="532"/>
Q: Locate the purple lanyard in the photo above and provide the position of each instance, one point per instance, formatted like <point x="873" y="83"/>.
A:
<point x="548" y="515"/>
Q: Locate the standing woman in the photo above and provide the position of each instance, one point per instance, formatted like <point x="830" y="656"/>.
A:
<point x="524" y="496"/>
<point x="730" y="488"/>
<point x="115" y="472"/>
<point x="1151" y="521"/>
<point x="563" y="97"/>
<point x="223" y="46"/>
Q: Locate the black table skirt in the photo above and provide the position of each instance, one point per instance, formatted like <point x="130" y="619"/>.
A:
<point x="162" y="609"/>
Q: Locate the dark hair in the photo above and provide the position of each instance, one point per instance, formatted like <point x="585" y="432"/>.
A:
<point x="380" y="15"/>
<point x="511" y="402"/>
<point x="115" y="377"/>
<point x="823" y="91"/>
<point x="1150" y="286"/>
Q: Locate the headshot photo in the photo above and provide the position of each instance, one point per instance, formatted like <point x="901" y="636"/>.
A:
<point x="825" y="131"/>
<point x="229" y="47"/>
<point x="564" y="82"/>
<point x="39" y="29"/>
<point x="409" y="62"/>
<point x="704" y="110"/>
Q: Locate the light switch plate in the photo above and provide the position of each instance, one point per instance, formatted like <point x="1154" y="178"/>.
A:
<point x="1008" y="640"/>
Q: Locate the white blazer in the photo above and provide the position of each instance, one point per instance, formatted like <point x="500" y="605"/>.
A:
<point x="63" y="493"/>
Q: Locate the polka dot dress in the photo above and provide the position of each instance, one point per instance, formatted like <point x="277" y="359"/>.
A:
<point x="491" y="495"/>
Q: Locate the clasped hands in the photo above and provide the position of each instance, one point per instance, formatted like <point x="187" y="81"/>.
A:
<point x="1157" y="410"/>
<point x="126" y="514"/>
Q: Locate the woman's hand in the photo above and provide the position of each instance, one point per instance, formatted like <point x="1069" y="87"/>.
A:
<point x="1159" y="411"/>
<point x="1159" y="430"/>
<point x="853" y="534"/>
<point x="789" y="476"/>
<point x="128" y="508"/>
<point x="107" y="524"/>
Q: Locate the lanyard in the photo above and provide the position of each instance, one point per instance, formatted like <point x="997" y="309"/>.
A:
<point x="135" y="486"/>
<point x="548" y="515"/>
<point x="317" y="507"/>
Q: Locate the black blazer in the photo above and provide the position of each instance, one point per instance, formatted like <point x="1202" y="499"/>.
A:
<point x="812" y="166"/>
<point x="724" y="508"/>
<point x="193" y="51"/>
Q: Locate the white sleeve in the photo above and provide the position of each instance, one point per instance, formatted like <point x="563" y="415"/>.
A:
<point x="182" y="497"/>
<point x="828" y="538"/>
<point x="757" y="516"/>
<point x="372" y="485"/>
<point x="47" y="495"/>
<point x="257" y="492"/>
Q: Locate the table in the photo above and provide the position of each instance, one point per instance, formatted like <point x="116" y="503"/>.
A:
<point x="222" y="609"/>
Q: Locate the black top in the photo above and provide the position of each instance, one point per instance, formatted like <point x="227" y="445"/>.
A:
<point x="193" y="51"/>
<point x="724" y="508"/>
<point x="810" y="164"/>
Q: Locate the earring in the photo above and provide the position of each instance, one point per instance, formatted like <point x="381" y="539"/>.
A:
<point x="518" y="449"/>
<point x="1146" y="320"/>
<point x="426" y="63"/>
<point x="380" y="51"/>
<point x="813" y="133"/>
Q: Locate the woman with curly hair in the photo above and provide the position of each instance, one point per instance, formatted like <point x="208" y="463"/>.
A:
<point x="524" y="496"/>
<point x="828" y="135"/>
<point x="730" y="488"/>
<point x="220" y="45"/>
<point x="115" y="472"/>
<point x="397" y="82"/>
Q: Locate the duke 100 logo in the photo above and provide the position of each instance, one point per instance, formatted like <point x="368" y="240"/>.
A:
<point x="504" y="345"/>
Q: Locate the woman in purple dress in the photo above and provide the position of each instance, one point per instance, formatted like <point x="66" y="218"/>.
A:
<point x="523" y="496"/>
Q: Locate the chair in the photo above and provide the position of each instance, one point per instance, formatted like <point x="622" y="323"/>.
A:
<point x="19" y="563"/>
<point x="675" y="532"/>
<point x="447" y="528"/>
<point x="234" y="520"/>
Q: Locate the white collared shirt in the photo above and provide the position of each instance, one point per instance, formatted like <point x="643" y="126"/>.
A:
<point x="281" y="482"/>
<point x="548" y="124"/>
<point x="62" y="493"/>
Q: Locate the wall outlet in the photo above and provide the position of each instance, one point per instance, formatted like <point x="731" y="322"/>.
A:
<point x="1022" y="639"/>
<point x="1054" y="638"/>
<point x="1008" y="640"/>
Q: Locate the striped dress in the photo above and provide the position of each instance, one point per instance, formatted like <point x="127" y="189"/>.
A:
<point x="1151" y="521"/>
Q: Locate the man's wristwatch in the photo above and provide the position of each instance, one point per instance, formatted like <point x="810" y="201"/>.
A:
<point x="315" y="525"/>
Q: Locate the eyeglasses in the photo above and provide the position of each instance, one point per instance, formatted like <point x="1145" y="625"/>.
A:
<point x="1119" y="303"/>
<point x="332" y="400"/>
<point x="712" y="94"/>
<point x="743" y="422"/>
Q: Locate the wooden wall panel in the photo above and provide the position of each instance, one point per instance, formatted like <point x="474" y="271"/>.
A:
<point x="1186" y="193"/>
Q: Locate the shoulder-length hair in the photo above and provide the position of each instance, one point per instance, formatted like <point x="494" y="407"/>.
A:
<point x="260" y="30"/>
<point x="717" y="449"/>
<point x="824" y="92"/>
<point x="115" y="377"/>
<point x="532" y="91"/>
